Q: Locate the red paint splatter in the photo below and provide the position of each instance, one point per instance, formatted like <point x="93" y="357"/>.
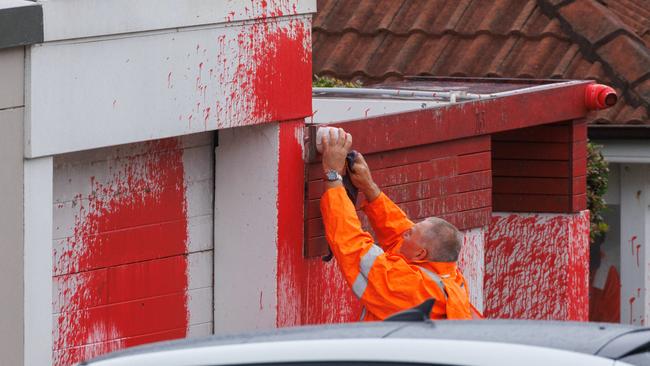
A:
<point x="631" y="301"/>
<point x="292" y="280"/>
<point x="206" y="117"/>
<point x="536" y="267"/>
<point x="113" y="286"/>
<point x="282" y="60"/>
<point x="270" y="78"/>
<point x="638" y="246"/>
<point x="632" y="244"/>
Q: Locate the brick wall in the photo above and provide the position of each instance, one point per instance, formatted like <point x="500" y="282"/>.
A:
<point x="541" y="169"/>
<point x="450" y="179"/>
<point x="132" y="229"/>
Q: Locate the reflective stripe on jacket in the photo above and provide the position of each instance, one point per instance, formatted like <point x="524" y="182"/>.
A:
<point x="382" y="279"/>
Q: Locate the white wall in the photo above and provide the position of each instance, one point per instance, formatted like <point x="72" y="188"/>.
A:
<point x="11" y="205"/>
<point x="102" y="193"/>
<point x="67" y="19"/>
<point x="245" y="266"/>
<point x="635" y="238"/>
<point x="472" y="264"/>
<point x="131" y="88"/>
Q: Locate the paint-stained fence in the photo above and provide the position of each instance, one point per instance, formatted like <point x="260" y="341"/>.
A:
<point x="132" y="245"/>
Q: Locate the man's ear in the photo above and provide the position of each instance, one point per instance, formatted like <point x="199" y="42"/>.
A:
<point x="421" y="254"/>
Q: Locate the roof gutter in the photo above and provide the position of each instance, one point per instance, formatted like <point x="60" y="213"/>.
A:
<point x="618" y="132"/>
<point x="21" y="23"/>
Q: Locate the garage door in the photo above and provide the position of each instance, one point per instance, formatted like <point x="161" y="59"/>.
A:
<point x="133" y="245"/>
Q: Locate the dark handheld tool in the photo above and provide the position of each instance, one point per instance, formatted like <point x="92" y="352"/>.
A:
<point x="350" y="189"/>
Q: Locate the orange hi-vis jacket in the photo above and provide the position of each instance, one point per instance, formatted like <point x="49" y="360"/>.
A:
<point x="385" y="281"/>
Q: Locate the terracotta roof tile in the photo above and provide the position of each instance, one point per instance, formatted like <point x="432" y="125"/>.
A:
<point x="382" y="40"/>
<point x="631" y="58"/>
<point x="592" y="20"/>
<point x="634" y="13"/>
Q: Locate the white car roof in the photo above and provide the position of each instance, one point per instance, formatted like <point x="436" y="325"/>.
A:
<point x="417" y="351"/>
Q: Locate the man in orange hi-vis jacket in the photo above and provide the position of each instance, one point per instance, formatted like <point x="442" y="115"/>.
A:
<point x="410" y="262"/>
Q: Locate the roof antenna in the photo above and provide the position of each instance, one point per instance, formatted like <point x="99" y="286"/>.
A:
<point x="418" y="313"/>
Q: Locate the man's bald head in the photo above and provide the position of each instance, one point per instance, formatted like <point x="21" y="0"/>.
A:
<point x="444" y="240"/>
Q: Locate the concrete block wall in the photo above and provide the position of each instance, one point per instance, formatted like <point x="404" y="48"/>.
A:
<point x="132" y="245"/>
<point x="12" y="107"/>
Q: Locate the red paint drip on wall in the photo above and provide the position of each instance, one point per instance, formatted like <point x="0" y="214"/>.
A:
<point x="281" y="60"/>
<point x="122" y="275"/>
<point x="631" y="301"/>
<point x="291" y="279"/>
<point x="536" y="267"/>
<point x="271" y="80"/>
<point x="632" y="239"/>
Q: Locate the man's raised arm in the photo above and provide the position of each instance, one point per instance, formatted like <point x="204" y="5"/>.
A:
<point x="388" y="221"/>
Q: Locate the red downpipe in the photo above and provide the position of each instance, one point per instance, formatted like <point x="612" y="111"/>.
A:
<point x="599" y="96"/>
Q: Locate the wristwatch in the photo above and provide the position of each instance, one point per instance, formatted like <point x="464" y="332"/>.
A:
<point x="332" y="176"/>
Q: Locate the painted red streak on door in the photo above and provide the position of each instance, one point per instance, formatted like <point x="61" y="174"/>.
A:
<point x="536" y="266"/>
<point x="123" y="273"/>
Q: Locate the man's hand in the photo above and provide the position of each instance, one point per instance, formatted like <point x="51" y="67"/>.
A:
<point x="362" y="178"/>
<point x="335" y="148"/>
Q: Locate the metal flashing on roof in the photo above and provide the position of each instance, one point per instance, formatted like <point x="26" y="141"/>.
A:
<point x="21" y="23"/>
<point x="331" y="105"/>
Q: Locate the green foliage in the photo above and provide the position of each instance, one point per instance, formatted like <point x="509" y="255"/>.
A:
<point x="329" y="82"/>
<point x="597" y="177"/>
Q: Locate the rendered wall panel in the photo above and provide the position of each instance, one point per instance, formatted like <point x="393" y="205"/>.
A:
<point x="246" y="228"/>
<point x="37" y="261"/>
<point x="634" y="241"/>
<point x="65" y="19"/>
<point x="11" y="240"/>
<point x="188" y="80"/>
<point x="12" y="75"/>
<point x="537" y="266"/>
<point x="132" y="245"/>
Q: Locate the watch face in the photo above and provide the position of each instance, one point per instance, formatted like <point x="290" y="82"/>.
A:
<point x="332" y="175"/>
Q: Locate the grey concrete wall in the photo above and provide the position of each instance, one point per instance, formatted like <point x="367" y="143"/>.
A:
<point x="12" y="63"/>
